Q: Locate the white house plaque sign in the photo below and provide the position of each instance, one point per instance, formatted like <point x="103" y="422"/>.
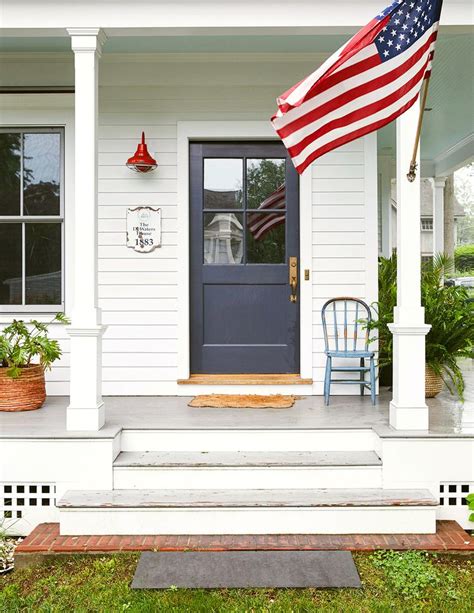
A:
<point x="143" y="228"/>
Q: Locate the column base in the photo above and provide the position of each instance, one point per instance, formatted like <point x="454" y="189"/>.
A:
<point x="90" y="419"/>
<point x="409" y="418"/>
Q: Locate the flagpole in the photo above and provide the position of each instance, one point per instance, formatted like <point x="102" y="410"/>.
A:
<point x="411" y="175"/>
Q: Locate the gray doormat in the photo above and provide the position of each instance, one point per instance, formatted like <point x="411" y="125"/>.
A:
<point x="211" y="569"/>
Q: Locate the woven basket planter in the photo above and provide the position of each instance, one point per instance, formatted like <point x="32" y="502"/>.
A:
<point x="26" y="393"/>
<point x="433" y="383"/>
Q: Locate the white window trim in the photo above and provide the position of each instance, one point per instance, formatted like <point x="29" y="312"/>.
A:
<point x="187" y="132"/>
<point x="24" y="219"/>
<point x="37" y="111"/>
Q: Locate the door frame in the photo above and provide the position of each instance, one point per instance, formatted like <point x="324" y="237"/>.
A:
<point x="188" y="131"/>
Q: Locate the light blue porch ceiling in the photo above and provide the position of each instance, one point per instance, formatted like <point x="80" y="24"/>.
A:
<point x="451" y="95"/>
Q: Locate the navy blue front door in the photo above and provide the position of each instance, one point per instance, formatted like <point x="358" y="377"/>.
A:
<point x="244" y="230"/>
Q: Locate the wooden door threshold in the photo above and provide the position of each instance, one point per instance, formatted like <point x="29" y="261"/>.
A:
<point x="245" y="380"/>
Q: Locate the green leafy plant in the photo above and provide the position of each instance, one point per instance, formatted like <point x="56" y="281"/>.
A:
<point x="448" y="311"/>
<point x="21" y="343"/>
<point x="464" y="258"/>
<point x="470" y="502"/>
<point x="412" y="573"/>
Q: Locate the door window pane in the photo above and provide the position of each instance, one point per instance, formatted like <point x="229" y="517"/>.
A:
<point x="43" y="263"/>
<point x="265" y="183"/>
<point x="10" y="263"/>
<point x="266" y="238"/>
<point x="223" y="183"/>
<point x="223" y="238"/>
<point x="10" y="168"/>
<point x="41" y="173"/>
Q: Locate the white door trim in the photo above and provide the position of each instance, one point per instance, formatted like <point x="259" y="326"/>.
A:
<point x="225" y="131"/>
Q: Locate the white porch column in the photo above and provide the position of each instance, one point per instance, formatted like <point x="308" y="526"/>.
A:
<point x="438" y="215"/>
<point x="385" y="163"/>
<point x="86" y="409"/>
<point x="408" y="410"/>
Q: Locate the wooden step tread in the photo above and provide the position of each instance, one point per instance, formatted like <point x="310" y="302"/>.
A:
<point x="225" y="459"/>
<point x="136" y="499"/>
<point x="245" y="379"/>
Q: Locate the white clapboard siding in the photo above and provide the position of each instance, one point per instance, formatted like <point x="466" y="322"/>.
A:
<point x="337" y="264"/>
<point x="336" y="237"/>
<point x="140" y="345"/>
<point x="138" y="293"/>
<point x="343" y="225"/>
<point x="133" y="305"/>
<point x="130" y="199"/>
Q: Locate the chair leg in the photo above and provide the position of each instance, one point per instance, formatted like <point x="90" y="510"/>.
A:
<point x="362" y="376"/>
<point x="372" y="380"/>
<point x="327" y="381"/>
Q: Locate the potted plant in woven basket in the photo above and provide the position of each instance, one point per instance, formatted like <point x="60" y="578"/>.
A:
<point x="449" y="312"/>
<point x="26" y="352"/>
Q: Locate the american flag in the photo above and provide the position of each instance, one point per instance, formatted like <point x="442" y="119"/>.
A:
<point x="366" y="84"/>
<point x="259" y="224"/>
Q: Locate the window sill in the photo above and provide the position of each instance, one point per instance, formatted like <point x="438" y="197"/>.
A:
<point x="6" y="317"/>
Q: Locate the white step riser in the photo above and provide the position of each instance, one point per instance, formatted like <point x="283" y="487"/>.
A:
<point x="248" y="440"/>
<point x="358" y="520"/>
<point x="247" y="478"/>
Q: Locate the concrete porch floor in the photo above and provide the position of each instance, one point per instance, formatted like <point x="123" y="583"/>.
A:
<point x="448" y="417"/>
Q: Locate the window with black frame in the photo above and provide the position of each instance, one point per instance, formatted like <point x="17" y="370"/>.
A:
<point x="31" y="219"/>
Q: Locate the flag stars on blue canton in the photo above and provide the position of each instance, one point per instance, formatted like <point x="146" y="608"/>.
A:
<point x="406" y="24"/>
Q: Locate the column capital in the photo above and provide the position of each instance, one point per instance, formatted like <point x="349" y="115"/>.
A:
<point x="439" y="181"/>
<point x="85" y="40"/>
<point x="409" y="330"/>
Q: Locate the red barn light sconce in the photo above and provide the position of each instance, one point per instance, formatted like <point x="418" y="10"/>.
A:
<point x="142" y="161"/>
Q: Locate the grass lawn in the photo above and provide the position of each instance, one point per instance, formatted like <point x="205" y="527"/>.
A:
<point x="409" y="581"/>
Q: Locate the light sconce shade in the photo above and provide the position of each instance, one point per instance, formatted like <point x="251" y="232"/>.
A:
<point x="142" y="161"/>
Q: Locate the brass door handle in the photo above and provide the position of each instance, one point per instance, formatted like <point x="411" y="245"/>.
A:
<point x="293" y="277"/>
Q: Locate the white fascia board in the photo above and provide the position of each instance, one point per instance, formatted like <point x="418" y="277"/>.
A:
<point x="191" y="15"/>
<point x="455" y="157"/>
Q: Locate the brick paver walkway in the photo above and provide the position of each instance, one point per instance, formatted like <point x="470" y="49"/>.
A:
<point x="45" y="538"/>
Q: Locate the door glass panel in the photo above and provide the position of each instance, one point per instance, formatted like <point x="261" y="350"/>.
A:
<point x="223" y="183"/>
<point x="223" y="238"/>
<point x="43" y="263"/>
<point x="266" y="238"/>
<point x="265" y="183"/>
<point x="10" y="165"/>
<point x="41" y="173"/>
<point x="10" y="263"/>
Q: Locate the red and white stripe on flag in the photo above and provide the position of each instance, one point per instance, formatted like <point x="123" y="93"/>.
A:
<point x="366" y="84"/>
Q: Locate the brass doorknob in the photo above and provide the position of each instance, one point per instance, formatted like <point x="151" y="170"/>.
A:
<point x="293" y="278"/>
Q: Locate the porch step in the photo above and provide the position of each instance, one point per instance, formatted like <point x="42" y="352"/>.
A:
<point x="289" y="511"/>
<point x="261" y="439"/>
<point x="247" y="469"/>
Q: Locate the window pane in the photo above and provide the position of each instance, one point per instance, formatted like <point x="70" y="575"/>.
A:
<point x="265" y="183"/>
<point x="10" y="263"/>
<point x="223" y="238"/>
<point x="266" y="238"/>
<point x="41" y="173"/>
<point x="223" y="183"/>
<point x="10" y="168"/>
<point x="43" y="263"/>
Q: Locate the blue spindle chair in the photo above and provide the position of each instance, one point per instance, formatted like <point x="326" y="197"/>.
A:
<point x="348" y="318"/>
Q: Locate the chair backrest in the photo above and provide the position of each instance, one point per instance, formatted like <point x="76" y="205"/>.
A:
<point x="345" y="324"/>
